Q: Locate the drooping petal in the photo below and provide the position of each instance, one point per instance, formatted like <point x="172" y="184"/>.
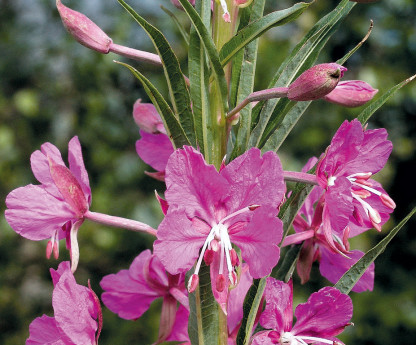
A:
<point x="56" y="274"/>
<point x="194" y="185"/>
<point x="77" y="167"/>
<point x="278" y="314"/>
<point x="333" y="266"/>
<point x="154" y="149"/>
<point x="72" y="304"/>
<point x="44" y="331"/>
<point x="259" y="241"/>
<point x="180" y="328"/>
<point x="254" y="179"/>
<point x="178" y="243"/>
<point x="325" y="314"/>
<point x="127" y="293"/>
<point x="34" y="213"/>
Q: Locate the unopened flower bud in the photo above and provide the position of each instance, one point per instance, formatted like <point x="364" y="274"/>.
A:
<point x="351" y="93"/>
<point x="84" y="30"/>
<point x="147" y="118"/>
<point x="316" y="82"/>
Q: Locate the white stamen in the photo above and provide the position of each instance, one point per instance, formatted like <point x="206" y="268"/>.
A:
<point x="226" y="14"/>
<point x="331" y="180"/>
<point x="373" y="214"/>
<point x="372" y="190"/>
<point x="208" y="240"/>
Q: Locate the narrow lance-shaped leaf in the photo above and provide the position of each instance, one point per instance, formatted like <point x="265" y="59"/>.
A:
<point x="375" y="105"/>
<point x="175" y="131"/>
<point x="351" y="277"/>
<point x="199" y="78"/>
<point x="258" y="27"/>
<point x="203" y="327"/>
<point x="176" y="82"/>
<point x="184" y="34"/>
<point x="211" y="51"/>
<point x="246" y="85"/>
<point x="302" y="57"/>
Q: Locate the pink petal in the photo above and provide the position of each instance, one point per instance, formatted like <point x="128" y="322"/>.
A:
<point x="254" y="179"/>
<point x="77" y="167"/>
<point x="306" y="258"/>
<point x="325" y="314"/>
<point x="35" y="214"/>
<point x="154" y="149"/>
<point x="127" y="292"/>
<point x="63" y="267"/>
<point x="259" y="241"/>
<point x="180" y="328"/>
<point x="72" y="304"/>
<point x="167" y="318"/>
<point x="262" y="338"/>
<point x="278" y="314"/>
<point x="44" y="331"/>
<point x="194" y="185"/>
<point x="333" y="266"/>
<point x="178" y="244"/>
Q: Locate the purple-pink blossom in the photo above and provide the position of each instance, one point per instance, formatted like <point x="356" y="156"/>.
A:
<point x="76" y="309"/>
<point x="308" y="227"/>
<point x="54" y="209"/>
<point x="324" y="316"/>
<point x="211" y="210"/>
<point x="344" y="171"/>
<point x="154" y="147"/>
<point x="129" y="293"/>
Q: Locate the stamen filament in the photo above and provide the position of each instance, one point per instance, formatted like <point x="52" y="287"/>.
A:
<point x="245" y="209"/>
<point x="204" y="247"/>
<point x="326" y="341"/>
<point x="372" y="190"/>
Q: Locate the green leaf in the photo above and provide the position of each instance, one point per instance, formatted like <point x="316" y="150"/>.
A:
<point x="302" y="57"/>
<point x="258" y="27"/>
<point x="251" y="305"/>
<point x="288" y="265"/>
<point x="203" y="327"/>
<point x="246" y="85"/>
<point x="173" y="127"/>
<point x="211" y="51"/>
<point x="181" y="29"/>
<point x="351" y="277"/>
<point x="178" y="90"/>
<point x="199" y="79"/>
<point x="370" y="109"/>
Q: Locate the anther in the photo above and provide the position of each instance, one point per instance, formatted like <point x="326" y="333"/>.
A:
<point x="193" y="283"/>
<point x="220" y="283"/>
<point x="387" y="201"/>
<point x="208" y="257"/>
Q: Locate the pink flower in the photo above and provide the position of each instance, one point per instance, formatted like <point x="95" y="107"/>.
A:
<point x="308" y="227"/>
<point x="351" y="197"/>
<point x="55" y="209"/>
<point x="351" y="93"/>
<point x="154" y="147"/>
<point x="325" y="315"/>
<point x="129" y="293"/>
<point x="76" y="308"/>
<point x="211" y="210"/>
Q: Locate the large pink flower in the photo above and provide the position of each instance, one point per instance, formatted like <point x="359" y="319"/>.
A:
<point x="129" y="293"/>
<point x="325" y="315"/>
<point x="210" y="210"/>
<point x="76" y="309"/>
<point x="309" y="230"/>
<point x="344" y="172"/>
<point x="55" y="209"/>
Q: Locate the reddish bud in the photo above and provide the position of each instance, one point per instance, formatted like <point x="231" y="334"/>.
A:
<point x="351" y="93"/>
<point x="316" y="82"/>
<point x="147" y="118"/>
<point x="84" y="30"/>
<point x="193" y="283"/>
<point x="220" y="283"/>
<point x="234" y="257"/>
<point x="208" y="257"/>
<point x="69" y="188"/>
<point x="386" y="200"/>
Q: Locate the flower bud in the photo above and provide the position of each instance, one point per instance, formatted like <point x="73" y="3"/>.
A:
<point x="351" y="93"/>
<point x="316" y="82"/>
<point x="147" y="118"/>
<point x="84" y="30"/>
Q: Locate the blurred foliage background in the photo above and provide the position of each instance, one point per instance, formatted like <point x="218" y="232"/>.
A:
<point x="52" y="88"/>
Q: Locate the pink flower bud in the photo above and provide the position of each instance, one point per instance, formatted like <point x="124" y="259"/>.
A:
<point x="177" y="4"/>
<point x="84" y="30"/>
<point x="147" y="118"/>
<point x="351" y="93"/>
<point x="316" y="82"/>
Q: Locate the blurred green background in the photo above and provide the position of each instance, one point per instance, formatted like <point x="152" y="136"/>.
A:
<point x="52" y="88"/>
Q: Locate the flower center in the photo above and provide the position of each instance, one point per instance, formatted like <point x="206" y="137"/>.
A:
<point x="361" y="181"/>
